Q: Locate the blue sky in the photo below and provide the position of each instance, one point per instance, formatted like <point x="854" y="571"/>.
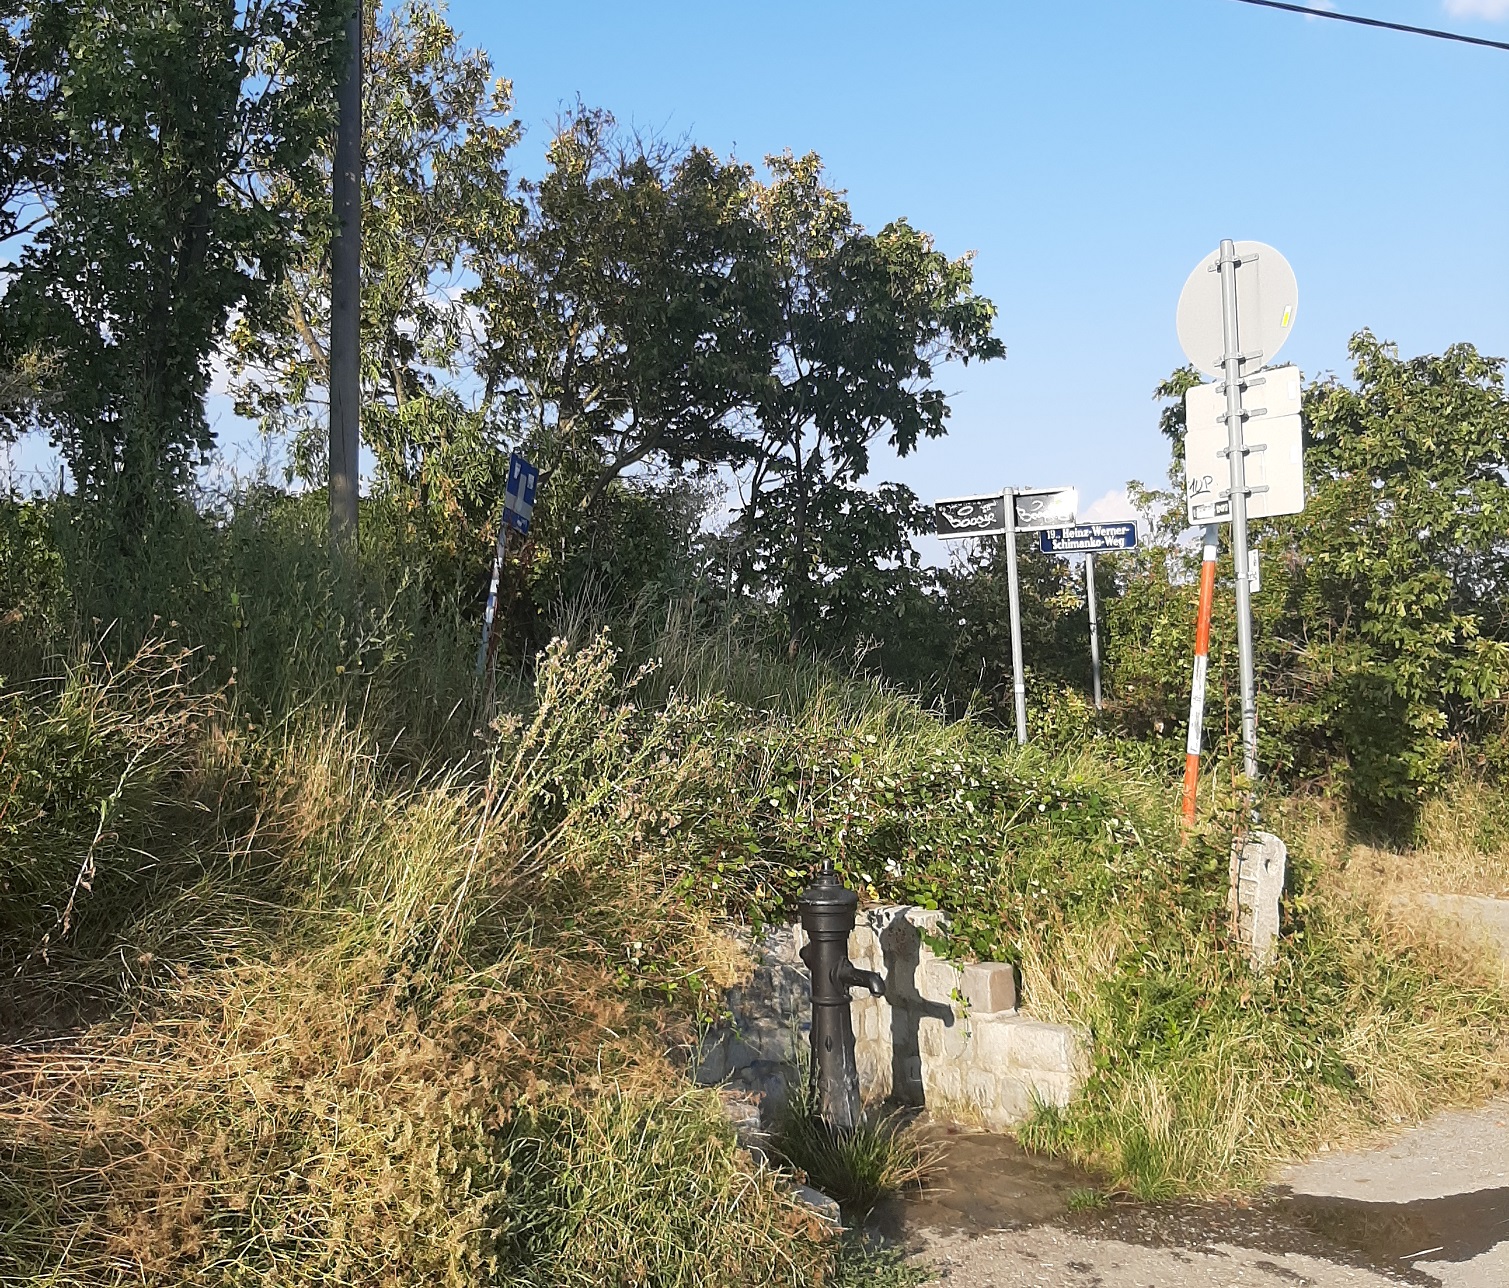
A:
<point x="1090" y="153"/>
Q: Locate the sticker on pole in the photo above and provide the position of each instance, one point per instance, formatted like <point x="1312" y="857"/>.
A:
<point x="1275" y="449"/>
<point x="1088" y="538"/>
<point x="1267" y="299"/>
<point x="1039" y="508"/>
<point x="970" y="516"/>
<point x="518" y="495"/>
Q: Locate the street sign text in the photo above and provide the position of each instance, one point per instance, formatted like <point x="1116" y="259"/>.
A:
<point x="1089" y="538"/>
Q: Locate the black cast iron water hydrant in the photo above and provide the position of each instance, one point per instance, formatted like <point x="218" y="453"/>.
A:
<point x="827" y="910"/>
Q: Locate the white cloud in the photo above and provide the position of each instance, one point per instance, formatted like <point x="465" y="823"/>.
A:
<point x="1489" y="10"/>
<point x="1110" y="508"/>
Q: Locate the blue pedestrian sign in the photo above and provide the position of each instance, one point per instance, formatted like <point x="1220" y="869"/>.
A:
<point x="518" y="495"/>
<point x="1089" y="538"/>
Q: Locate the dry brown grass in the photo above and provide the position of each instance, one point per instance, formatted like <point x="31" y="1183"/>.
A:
<point x="1461" y="844"/>
<point x="427" y="1041"/>
<point x="1460" y="848"/>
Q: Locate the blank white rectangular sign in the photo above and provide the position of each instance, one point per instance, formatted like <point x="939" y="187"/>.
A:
<point x="1279" y="468"/>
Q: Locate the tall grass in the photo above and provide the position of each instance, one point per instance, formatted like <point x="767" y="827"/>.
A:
<point x="1068" y="856"/>
<point x="1207" y="1076"/>
<point x="325" y="968"/>
<point x="429" y="1017"/>
<point x="857" y="1166"/>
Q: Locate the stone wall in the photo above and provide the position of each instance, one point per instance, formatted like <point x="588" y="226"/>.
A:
<point x="947" y="1037"/>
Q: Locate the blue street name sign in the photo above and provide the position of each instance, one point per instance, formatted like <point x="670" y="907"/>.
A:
<point x="1089" y="538"/>
<point x="518" y="495"/>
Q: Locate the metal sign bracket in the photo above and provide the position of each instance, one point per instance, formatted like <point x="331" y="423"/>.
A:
<point x="1251" y="257"/>
<point x="1246" y="413"/>
<point x="1246" y="448"/>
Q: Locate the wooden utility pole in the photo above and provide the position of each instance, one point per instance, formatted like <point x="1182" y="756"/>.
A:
<point x="345" y="297"/>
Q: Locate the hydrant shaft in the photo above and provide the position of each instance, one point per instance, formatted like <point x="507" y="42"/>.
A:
<point x="827" y="911"/>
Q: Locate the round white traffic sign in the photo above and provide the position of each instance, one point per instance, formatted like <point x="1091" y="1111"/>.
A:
<point x="1267" y="298"/>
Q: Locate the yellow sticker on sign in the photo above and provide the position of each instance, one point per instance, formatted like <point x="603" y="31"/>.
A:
<point x="1288" y="316"/>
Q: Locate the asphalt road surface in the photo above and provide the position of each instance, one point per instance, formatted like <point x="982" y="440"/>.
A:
<point x="1431" y="1208"/>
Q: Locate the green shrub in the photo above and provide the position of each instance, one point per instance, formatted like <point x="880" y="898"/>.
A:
<point x="877" y="1157"/>
<point x="33" y="585"/>
<point x="339" y="992"/>
<point x="630" y="1192"/>
<point x="95" y="769"/>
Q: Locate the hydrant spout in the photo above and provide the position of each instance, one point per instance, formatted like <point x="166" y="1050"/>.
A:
<point x="848" y="975"/>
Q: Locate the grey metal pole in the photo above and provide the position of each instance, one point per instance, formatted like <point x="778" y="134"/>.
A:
<point x="1018" y="680"/>
<point x="1236" y="459"/>
<point x="345" y="296"/>
<point x="1094" y="633"/>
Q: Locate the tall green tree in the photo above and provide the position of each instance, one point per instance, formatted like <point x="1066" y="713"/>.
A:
<point x="863" y="320"/>
<point x="31" y="142"/>
<point x="437" y="130"/>
<point x="1382" y="643"/>
<point x="1385" y="638"/>
<point x="165" y="121"/>
<point x="630" y="323"/>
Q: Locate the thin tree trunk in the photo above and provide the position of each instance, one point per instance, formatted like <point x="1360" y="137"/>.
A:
<point x="345" y="298"/>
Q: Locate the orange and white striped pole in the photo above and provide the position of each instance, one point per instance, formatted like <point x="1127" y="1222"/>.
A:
<point x="1197" y="685"/>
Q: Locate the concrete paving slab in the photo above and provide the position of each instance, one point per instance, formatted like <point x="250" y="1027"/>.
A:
<point x="1434" y="1199"/>
<point x="1055" y="1258"/>
<point x="1454" y="1153"/>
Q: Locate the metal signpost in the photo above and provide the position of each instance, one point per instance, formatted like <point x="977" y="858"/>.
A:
<point x="518" y="506"/>
<point x="1014" y="600"/>
<point x="1235" y="313"/>
<point x="1094" y="628"/>
<point x="1090" y="539"/>
<point x="1005" y="514"/>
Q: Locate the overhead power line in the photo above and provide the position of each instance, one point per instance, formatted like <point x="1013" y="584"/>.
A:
<point x="1378" y="22"/>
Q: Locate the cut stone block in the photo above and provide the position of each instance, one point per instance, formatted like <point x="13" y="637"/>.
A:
<point x="1016" y="1043"/>
<point x="984" y="1089"/>
<point x="1014" y="1102"/>
<point x="1257" y="885"/>
<point x="1055" y="1089"/>
<point x="990" y="987"/>
<point x="930" y="1036"/>
<point x="936" y="981"/>
<point x="819" y="1202"/>
<point x="955" y="1040"/>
